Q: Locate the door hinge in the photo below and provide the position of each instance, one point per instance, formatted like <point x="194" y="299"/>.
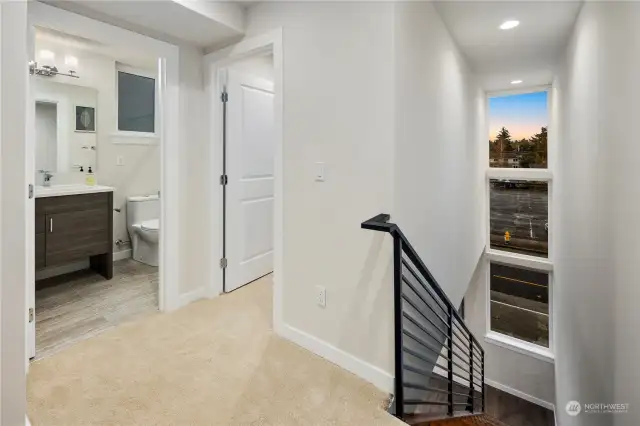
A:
<point x="30" y="191"/>
<point x="30" y="314"/>
<point x="223" y="262"/>
<point x="224" y="179"/>
<point x="224" y="97"/>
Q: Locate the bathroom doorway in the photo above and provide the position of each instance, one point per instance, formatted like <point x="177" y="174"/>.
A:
<point x="96" y="166"/>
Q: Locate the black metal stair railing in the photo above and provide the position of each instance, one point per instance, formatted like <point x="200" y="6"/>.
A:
<point x="439" y="364"/>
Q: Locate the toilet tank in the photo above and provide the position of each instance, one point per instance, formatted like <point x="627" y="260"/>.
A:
<point x="141" y="208"/>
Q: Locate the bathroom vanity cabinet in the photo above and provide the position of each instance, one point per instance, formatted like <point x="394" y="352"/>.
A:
<point x="72" y="228"/>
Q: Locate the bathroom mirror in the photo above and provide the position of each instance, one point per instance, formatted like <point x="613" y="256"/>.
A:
<point x="66" y="127"/>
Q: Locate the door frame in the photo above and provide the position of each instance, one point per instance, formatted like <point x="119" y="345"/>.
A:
<point x="215" y="65"/>
<point x="43" y="15"/>
<point x="17" y="18"/>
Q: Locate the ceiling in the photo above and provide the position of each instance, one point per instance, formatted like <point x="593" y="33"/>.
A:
<point x="198" y="23"/>
<point x="62" y="43"/>
<point x="529" y="52"/>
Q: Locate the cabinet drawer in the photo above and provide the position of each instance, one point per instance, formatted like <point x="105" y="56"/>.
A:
<point x="72" y="203"/>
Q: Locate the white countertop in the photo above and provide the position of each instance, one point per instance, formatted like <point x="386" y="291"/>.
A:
<point x="60" y="190"/>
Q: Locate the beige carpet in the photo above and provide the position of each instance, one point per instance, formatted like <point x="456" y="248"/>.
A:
<point x="214" y="362"/>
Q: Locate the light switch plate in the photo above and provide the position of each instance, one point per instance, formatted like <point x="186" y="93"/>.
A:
<point x="119" y="160"/>
<point x="320" y="171"/>
<point x="321" y="294"/>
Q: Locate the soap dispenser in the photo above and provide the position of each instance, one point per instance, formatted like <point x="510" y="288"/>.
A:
<point x="90" y="179"/>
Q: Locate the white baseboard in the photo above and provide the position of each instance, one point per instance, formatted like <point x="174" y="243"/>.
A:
<point x="122" y="254"/>
<point x="521" y="395"/>
<point x="372" y="374"/>
<point x="192" y="296"/>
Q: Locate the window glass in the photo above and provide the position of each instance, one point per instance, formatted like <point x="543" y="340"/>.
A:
<point x="519" y="216"/>
<point x="520" y="303"/>
<point x="518" y="130"/>
<point x="136" y="103"/>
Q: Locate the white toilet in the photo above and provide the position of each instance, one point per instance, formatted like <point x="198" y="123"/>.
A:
<point x="143" y="224"/>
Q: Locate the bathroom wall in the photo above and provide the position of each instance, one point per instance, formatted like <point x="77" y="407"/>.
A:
<point x="129" y="164"/>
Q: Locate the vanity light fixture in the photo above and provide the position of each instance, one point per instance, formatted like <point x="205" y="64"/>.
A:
<point x="507" y="25"/>
<point x="48" y="70"/>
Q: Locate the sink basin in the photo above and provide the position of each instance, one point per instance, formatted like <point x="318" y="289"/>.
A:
<point x="60" y="190"/>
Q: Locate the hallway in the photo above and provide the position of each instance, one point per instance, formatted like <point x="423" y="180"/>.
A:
<point x="214" y="362"/>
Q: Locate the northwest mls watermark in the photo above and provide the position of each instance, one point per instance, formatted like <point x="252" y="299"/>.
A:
<point x="574" y="408"/>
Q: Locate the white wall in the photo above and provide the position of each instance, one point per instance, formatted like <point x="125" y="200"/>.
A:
<point x="338" y="108"/>
<point x="623" y="151"/>
<point x="347" y="67"/>
<point x="140" y="173"/>
<point x="585" y="287"/>
<point x="195" y="178"/>
<point x="438" y="188"/>
<point x="260" y="66"/>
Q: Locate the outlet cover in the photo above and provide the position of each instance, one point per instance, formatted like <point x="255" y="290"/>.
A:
<point x="321" y="296"/>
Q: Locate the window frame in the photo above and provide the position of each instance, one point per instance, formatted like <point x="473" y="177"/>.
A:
<point x="519" y="260"/>
<point x="144" y="138"/>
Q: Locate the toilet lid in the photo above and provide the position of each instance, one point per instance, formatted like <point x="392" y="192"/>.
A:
<point x="151" y="225"/>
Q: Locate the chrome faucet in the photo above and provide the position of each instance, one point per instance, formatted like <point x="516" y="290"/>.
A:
<point x="47" y="175"/>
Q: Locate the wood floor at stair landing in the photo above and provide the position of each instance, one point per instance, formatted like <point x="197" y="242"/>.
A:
<point x="463" y="420"/>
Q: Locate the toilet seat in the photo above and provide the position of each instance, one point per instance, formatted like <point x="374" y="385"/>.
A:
<point x="150" y="225"/>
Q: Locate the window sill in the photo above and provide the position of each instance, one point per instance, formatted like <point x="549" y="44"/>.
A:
<point x="520" y="346"/>
<point x="521" y="260"/>
<point x="134" y="138"/>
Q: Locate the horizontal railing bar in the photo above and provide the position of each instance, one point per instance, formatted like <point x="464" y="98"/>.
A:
<point x="423" y="343"/>
<point x="444" y="321"/>
<point x="415" y="259"/>
<point x="465" y="362"/>
<point x="404" y="297"/>
<point x="418" y="370"/>
<point x="421" y="402"/>
<point x="417" y="355"/>
<point x="417" y="324"/>
<point x="381" y="223"/>
<point x="426" y="287"/>
<point x="430" y="389"/>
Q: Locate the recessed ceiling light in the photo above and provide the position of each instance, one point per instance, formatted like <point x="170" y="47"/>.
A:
<point x="516" y="82"/>
<point x="507" y="25"/>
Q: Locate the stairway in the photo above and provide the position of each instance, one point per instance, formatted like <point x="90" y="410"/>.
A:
<point x="463" y="420"/>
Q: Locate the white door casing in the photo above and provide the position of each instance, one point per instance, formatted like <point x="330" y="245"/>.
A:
<point x="250" y="152"/>
<point x="30" y="155"/>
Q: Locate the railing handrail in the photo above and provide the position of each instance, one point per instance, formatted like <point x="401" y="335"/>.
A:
<point x="381" y="223"/>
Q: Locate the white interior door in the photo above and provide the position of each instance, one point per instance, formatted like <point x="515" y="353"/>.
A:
<point x="250" y="151"/>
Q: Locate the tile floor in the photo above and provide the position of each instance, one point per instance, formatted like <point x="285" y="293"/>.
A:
<point x="77" y="306"/>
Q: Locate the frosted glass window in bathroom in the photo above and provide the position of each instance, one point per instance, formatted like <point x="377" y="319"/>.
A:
<point x="136" y="103"/>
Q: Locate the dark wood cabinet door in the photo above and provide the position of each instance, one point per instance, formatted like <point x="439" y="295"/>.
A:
<point x="76" y="235"/>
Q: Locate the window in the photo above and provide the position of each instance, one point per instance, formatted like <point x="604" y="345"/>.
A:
<point x="519" y="124"/>
<point x="518" y="219"/>
<point x="136" y="101"/>
<point x="519" y="184"/>
<point x="520" y="303"/>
